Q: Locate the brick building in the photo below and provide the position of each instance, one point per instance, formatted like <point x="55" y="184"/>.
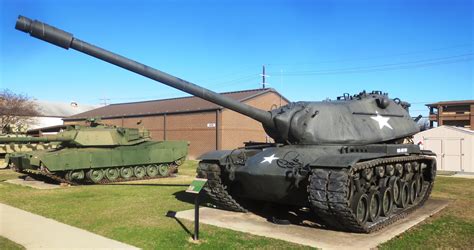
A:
<point x="452" y="113"/>
<point x="205" y="125"/>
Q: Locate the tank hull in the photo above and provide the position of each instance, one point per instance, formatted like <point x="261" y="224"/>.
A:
<point x="295" y="175"/>
<point x="62" y="161"/>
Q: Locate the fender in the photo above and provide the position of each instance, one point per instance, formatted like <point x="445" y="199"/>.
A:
<point x="343" y="161"/>
<point x="218" y="155"/>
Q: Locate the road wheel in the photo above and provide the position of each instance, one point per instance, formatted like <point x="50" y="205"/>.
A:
<point x="152" y="170"/>
<point x="126" y="172"/>
<point x="387" y="202"/>
<point x="374" y="205"/>
<point x="75" y="175"/>
<point x="139" y="171"/>
<point x="404" y="194"/>
<point x="360" y="206"/>
<point x="112" y="174"/>
<point x="95" y="175"/>
<point x="164" y="170"/>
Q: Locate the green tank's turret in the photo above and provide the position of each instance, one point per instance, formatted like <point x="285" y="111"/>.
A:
<point x="84" y="136"/>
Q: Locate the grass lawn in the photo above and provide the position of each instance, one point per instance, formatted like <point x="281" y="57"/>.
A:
<point x="7" y="244"/>
<point x="134" y="213"/>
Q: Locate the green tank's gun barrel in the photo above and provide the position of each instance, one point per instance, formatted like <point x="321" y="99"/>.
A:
<point x="66" y="40"/>
<point x="49" y="138"/>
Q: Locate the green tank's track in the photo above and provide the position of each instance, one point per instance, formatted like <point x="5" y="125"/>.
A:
<point x="52" y="176"/>
<point x="328" y="193"/>
<point x="215" y="189"/>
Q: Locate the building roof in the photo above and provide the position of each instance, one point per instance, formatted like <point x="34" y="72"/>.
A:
<point x="61" y="109"/>
<point x="166" y="106"/>
<point x="462" y="102"/>
<point x="444" y="127"/>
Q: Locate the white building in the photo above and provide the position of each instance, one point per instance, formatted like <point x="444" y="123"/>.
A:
<point x="52" y="113"/>
<point x="454" y="147"/>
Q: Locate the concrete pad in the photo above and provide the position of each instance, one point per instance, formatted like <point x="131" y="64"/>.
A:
<point x="35" y="232"/>
<point x="312" y="236"/>
<point x="34" y="184"/>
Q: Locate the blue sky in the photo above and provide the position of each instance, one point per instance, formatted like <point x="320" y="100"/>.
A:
<point x="419" y="51"/>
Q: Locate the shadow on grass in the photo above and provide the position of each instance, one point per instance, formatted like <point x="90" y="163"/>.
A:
<point x="172" y="214"/>
<point x="277" y="214"/>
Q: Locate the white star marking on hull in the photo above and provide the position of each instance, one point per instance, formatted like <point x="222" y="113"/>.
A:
<point x="269" y="159"/>
<point x="382" y="121"/>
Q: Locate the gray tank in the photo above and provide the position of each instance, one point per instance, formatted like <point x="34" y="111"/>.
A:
<point x="351" y="160"/>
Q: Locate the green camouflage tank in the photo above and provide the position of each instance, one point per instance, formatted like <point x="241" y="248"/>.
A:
<point x="11" y="147"/>
<point x="99" y="154"/>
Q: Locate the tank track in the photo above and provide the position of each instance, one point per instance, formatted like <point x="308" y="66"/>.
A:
<point x="330" y="193"/>
<point x="44" y="173"/>
<point x="215" y="189"/>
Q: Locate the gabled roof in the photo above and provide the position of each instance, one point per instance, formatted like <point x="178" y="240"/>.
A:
<point x="166" y="106"/>
<point x="460" y="129"/>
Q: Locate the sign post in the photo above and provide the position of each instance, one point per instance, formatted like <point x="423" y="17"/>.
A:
<point x="195" y="188"/>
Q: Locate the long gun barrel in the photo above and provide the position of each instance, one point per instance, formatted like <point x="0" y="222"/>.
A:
<point x="66" y="40"/>
<point x="50" y="138"/>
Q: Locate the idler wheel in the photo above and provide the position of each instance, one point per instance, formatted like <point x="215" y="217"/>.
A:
<point x="179" y="162"/>
<point x="360" y="207"/>
<point x="139" y="171"/>
<point x="112" y="174"/>
<point x="95" y="175"/>
<point x="163" y="169"/>
<point x="126" y="172"/>
<point x="374" y="206"/>
<point x="404" y="194"/>
<point x="75" y="175"/>
<point x="387" y="202"/>
<point x="151" y="170"/>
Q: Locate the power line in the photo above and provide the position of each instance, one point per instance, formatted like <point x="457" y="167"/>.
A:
<point x="387" y="67"/>
<point x="373" y="57"/>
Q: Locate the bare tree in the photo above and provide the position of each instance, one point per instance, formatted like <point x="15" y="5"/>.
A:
<point x="16" y="111"/>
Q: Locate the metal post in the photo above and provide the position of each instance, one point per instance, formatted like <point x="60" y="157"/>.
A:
<point x="196" y="217"/>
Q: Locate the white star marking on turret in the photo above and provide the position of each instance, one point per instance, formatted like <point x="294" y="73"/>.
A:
<point x="383" y="121"/>
<point x="269" y="159"/>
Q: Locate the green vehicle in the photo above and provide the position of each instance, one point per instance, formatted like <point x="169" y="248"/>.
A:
<point x="8" y="148"/>
<point x="99" y="154"/>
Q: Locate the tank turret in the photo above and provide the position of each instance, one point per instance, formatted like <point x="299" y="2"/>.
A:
<point x="359" y="119"/>
<point x="87" y="136"/>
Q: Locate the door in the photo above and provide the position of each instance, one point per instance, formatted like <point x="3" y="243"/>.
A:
<point x="452" y="153"/>
<point x="449" y="152"/>
<point x="435" y="145"/>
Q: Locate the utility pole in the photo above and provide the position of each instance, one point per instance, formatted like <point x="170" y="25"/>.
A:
<point x="104" y="101"/>
<point x="263" y="77"/>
